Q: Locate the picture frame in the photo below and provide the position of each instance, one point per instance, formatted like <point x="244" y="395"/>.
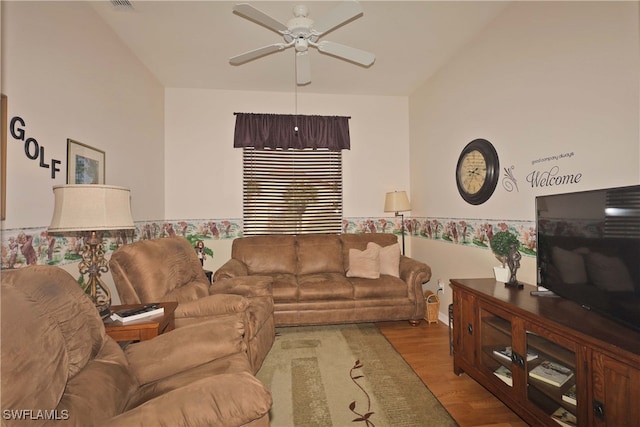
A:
<point x="85" y="164"/>
<point x="3" y="156"/>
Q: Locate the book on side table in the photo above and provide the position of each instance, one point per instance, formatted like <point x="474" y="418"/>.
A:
<point x="131" y="314"/>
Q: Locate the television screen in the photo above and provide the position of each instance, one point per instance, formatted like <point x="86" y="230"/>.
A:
<point x="589" y="250"/>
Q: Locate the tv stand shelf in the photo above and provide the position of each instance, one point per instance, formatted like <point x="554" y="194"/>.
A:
<point x="598" y="356"/>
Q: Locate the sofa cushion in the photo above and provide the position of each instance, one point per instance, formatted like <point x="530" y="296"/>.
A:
<point x="319" y="253"/>
<point x="234" y="363"/>
<point x="190" y="291"/>
<point x="147" y="270"/>
<point x="324" y="286"/>
<point x="266" y="254"/>
<point x="233" y="399"/>
<point x="365" y="264"/>
<point x="101" y="390"/>
<point x="285" y="287"/>
<point x="60" y="334"/>
<point x="384" y="287"/>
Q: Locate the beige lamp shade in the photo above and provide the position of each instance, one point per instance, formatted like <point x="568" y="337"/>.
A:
<point x="90" y="207"/>
<point x="396" y="201"/>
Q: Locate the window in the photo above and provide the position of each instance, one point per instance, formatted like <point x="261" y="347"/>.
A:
<point x="292" y="191"/>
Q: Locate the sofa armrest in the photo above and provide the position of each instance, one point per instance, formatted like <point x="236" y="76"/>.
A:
<point x="212" y="305"/>
<point x="231" y="268"/>
<point x="186" y="348"/>
<point x="247" y="286"/>
<point x="232" y="399"/>
<point x="412" y="270"/>
<point x="414" y="273"/>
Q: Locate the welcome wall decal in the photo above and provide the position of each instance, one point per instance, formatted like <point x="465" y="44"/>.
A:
<point x="544" y="176"/>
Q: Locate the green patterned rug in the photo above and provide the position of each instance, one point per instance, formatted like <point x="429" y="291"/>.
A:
<point x="345" y="375"/>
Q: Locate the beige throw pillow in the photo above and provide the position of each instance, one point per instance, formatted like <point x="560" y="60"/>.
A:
<point x="365" y="264"/>
<point x="389" y="259"/>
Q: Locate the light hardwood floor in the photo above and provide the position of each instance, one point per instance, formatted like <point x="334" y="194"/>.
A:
<point x="426" y="349"/>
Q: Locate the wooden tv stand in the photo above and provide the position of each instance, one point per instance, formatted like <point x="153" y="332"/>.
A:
<point x="602" y="356"/>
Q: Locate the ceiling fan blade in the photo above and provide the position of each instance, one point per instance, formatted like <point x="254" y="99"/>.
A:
<point x="343" y="12"/>
<point x="257" y="53"/>
<point x="346" y="52"/>
<point x="303" y="68"/>
<point x="250" y="12"/>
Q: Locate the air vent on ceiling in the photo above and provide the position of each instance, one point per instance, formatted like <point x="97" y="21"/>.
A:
<point x="122" y="4"/>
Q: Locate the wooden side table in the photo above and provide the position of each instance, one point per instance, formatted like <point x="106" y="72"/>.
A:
<point x="142" y="329"/>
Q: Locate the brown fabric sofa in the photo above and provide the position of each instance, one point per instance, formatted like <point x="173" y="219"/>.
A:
<point x="314" y="281"/>
<point x="168" y="269"/>
<point x="59" y="367"/>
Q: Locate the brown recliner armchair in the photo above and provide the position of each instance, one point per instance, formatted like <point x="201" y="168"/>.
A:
<point x="168" y="269"/>
<point x="59" y="367"/>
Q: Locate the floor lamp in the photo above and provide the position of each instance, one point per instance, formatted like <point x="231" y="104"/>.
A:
<point x="90" y="210"/>
<point x="397" y="201"/>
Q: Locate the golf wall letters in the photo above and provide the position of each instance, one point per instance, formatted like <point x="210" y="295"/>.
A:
<point x="32" y="149"/>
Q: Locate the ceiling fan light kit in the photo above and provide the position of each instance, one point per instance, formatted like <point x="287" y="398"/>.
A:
<point x="302" y="32"/>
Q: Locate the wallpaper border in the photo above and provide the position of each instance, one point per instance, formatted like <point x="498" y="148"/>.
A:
<point x="25" y="246"/>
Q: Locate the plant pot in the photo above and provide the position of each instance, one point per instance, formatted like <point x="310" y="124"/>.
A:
<point x="502" y="274"/>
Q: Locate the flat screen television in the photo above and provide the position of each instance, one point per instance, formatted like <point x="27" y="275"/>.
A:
<point x="589" y="250"/>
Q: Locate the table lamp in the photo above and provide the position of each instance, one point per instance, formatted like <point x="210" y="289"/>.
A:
<point x="91" y="210"/>
<point x="397" y="201"/>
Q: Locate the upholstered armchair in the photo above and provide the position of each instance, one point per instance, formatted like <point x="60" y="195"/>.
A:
<point x="58" y="364"/>
<point x="168" y="269"/>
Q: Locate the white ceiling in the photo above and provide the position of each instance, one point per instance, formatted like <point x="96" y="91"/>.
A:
<point x="187" y="44"/>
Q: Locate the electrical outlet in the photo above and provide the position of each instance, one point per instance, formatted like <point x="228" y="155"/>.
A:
<point x="441" y="285"/>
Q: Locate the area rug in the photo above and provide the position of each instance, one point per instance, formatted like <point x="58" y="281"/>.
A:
<point x="345" y="375"/>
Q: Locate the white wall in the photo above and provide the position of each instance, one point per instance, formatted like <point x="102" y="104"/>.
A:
<point x="204" y="172"/>
<point x="67" y="76"/>
<point x="544" y="78"/>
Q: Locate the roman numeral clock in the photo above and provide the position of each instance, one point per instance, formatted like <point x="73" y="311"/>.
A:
<point x="477" y="171"/>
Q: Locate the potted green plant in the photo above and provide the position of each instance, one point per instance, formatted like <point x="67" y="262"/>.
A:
<point x="501" y="244"/>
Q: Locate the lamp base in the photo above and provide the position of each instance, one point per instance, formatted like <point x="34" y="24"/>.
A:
<point x="94" y="263"/>
<point x="401" y="228"/>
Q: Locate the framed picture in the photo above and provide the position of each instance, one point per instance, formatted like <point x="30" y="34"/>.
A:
<point x="85" y="164"/>
<point x="3" y="157"/>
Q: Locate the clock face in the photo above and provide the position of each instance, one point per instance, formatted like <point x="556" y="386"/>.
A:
<point x="477" y="171"/>
<point x="473" y="172"/>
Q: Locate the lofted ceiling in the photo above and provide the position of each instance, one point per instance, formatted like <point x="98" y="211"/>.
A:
<point x="187" y="44"/>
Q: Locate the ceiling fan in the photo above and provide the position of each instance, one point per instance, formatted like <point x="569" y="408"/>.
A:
<point x="302" y="32"/>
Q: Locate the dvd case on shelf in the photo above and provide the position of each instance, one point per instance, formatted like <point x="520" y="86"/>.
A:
<point x="569" y="396"/>
<point x="506" y="352"/>
<point x="551" y="373"/>
<point x="504" y="374"/>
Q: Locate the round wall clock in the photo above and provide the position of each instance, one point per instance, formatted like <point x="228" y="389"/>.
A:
<point x="477" y="171"/>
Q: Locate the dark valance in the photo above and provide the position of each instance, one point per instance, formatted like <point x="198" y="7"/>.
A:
<point x="289" y="131"/>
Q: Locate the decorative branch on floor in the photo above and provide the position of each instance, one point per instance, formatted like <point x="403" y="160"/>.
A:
<point x="361" y="417"/>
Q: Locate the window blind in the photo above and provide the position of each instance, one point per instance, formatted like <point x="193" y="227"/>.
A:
<point x="292" y="191"/>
